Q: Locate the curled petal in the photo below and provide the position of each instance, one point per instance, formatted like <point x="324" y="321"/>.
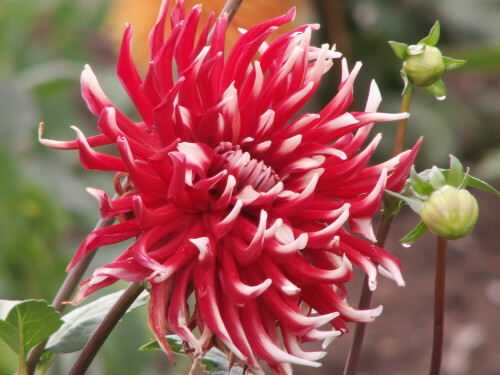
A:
<point x="92" y="93"/>
<point x="92" y="159"/>
<point x="94" y="141"/>
<point x="157" y="308"/>
<point x="262" y="344"/>
<point x="239" y="292"/>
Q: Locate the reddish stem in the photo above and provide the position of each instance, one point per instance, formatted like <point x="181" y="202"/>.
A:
<point x="104" y="329"/>
<point x="439" y="289"/>
<point x="351" y="365"/>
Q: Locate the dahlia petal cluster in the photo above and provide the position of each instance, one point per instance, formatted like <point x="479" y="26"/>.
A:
<point x="232" y="196"/>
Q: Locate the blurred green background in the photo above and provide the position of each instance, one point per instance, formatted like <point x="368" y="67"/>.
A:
<point x="45" y="211"/>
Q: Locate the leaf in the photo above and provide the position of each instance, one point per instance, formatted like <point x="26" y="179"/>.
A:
<point x="6" y="306"/>
<point x="463" y="183"/>
<point x="45" y="362"/>
<point x="408" y="85"/>
<point x="477" y="183"/>
<point x="414" y="234"/>
<point x="174" y="341"/>
<point x="436" y="178"/>
<point x="214" y="361"/>
<point x="220" y="363"/>
<point x="419" y="185"/>
<point x="437" y="89"/>
<point x="399" y="49"/>
<point x="433" y="37"/>
<point x="450" y="64"/>
<point x="80" y="323"/>
<point x="456" y="173"/>
<point x="414" y="203"/>
<point x="28" y="323"/>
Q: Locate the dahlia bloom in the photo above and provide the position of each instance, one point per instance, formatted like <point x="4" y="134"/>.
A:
<point x="232" y="196"/>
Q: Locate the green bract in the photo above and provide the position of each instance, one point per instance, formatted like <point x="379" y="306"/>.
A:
<point x="450" y="212"/>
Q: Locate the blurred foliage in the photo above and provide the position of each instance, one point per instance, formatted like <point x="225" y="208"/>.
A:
<point x="43" y="47"/>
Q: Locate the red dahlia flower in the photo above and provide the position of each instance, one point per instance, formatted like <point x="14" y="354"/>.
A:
<point x="230" y="195"/>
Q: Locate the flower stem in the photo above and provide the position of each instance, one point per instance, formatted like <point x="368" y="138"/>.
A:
<point x="383" y="230"/>
<point x="364" y="303"/>
<point x="104" y="329"/>
<point x="230" y="9"/>
<point x="437" y="339"/>
<point x="64" y="294"/>
<point x="400" y="135"/>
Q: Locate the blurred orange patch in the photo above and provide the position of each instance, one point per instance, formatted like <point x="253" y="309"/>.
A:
<point x="142" y="15"/>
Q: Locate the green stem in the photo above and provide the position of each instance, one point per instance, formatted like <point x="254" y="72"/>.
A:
<point x="400" y="135"/>
<point x="439" y="290"/>
<point x="351" y="365"/>
<point x="104" y="329"/>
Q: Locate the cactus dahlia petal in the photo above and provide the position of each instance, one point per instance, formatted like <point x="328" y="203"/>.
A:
<point x="231" y="196"/>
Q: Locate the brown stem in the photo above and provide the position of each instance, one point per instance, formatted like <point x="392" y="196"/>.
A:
<point x="333" y="18"/>
<point x="437" y="339"/>
<point x="104" y="329"/>
<point x="230" y="9"/>
<point x="64" y="294"/>
<point x="366" y="294"/>
<point x="364" y="303"/>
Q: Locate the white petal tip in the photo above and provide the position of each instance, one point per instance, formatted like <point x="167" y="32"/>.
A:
<point x="376" y="312"/>
<point x="290" y="290"/>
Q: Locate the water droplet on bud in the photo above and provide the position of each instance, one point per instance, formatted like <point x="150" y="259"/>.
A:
<point x="407" y="244"/>
<point x="441" y="98"/>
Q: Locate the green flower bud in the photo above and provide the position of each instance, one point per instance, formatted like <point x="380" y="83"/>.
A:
<point x="450" y="212"/>
<point x="423" y="65"/>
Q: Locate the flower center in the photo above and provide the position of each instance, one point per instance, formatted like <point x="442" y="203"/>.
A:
<point x="246" y="169"/>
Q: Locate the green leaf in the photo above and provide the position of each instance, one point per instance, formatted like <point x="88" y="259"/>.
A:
<point x="437" y="89"/>
<point x="174" y="341"/>
<point x="28" y="323"/>
<point x="217" y="363"/>
<point x="399" y="49"/>
<point x="80" y="323"/>
<point x="433" y="37"/>
<point x="408" y="85"/>
<point x="463" y="183"/>
<point x="436" y="178"/>
<point x="414" y="203"/>
<point x="450" y="64"/>
<point x="477" y="183"/>
<point x="419" y="185"/>
<point x="45" y="362"/>
<point x="414" y="234"/>
<point x="214" y="361"/>
<point x="456" y="173"/>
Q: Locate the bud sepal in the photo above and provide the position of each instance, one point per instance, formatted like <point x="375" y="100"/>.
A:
<point x="420" y="187"/>
<point x="424" y="64"/>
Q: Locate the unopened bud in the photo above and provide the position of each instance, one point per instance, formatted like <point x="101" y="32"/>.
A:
<point x="450" y="212"/>
<point x="423" y="65"/>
